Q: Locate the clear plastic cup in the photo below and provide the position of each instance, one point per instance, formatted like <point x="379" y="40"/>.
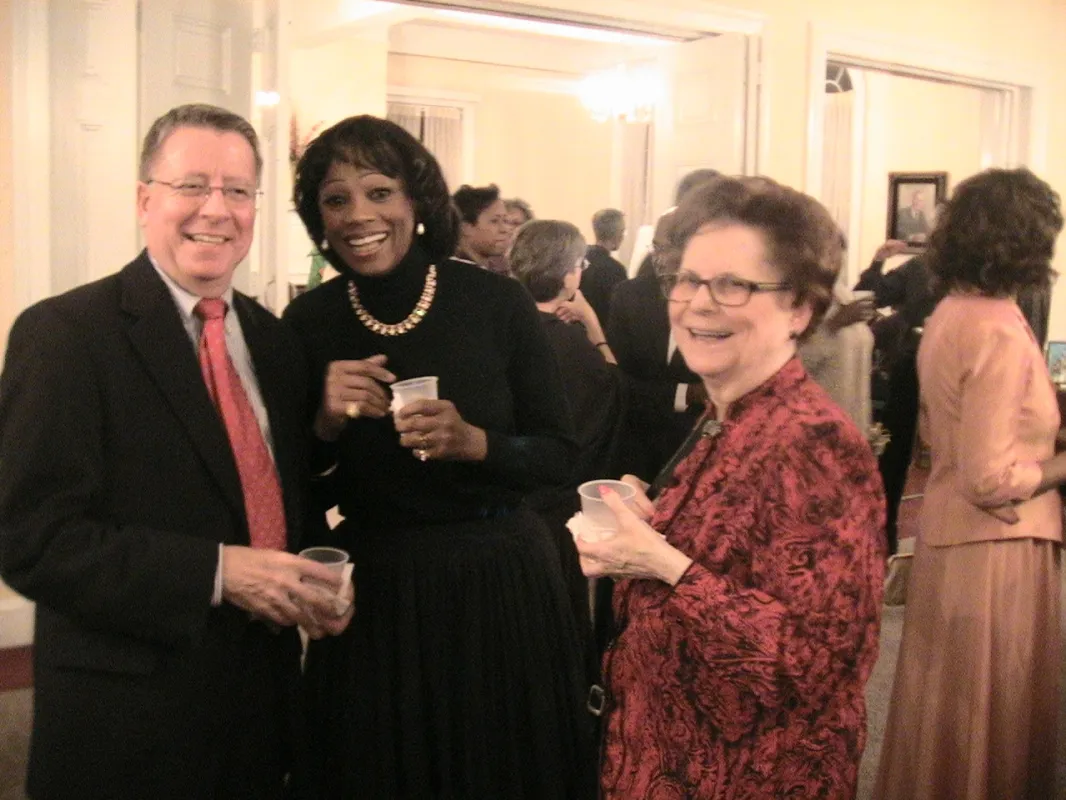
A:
<point x="332" y="557"/>
<point x="596" y="511"/>
<point x="404" y="392"/>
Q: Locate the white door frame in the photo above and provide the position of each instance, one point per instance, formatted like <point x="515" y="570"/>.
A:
<point x="1024" y="133"/>
<point x="31" y="143"/>
<point x="664" y="17"/>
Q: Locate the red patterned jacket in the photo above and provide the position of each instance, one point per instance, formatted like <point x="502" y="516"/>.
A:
<point x="746" y="679"/>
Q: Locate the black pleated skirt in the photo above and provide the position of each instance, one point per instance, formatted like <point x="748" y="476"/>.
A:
<point x="460" y="675"/>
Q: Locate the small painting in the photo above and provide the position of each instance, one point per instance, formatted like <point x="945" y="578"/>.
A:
<point x="1056" y="362"/>
<point x="913" y="198"/>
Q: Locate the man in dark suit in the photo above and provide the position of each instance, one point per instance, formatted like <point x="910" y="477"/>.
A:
<point x="667" y="398"/>
<point x="166" y="657"/>
<point x="664" y="406"/>
<point x="911" y="221"/>
<point x="603" y="272"/>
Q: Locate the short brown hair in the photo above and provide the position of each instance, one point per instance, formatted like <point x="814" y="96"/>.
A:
<point x="802" y="240"/>
<point x="996" y="234"/>
<point x="544" y="252"/>
<point x="196" y="115"/>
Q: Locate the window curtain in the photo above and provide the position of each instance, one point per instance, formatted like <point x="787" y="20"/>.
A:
<point x="836" y="165"/>
<point x="407" y="116"/>
<point x="439" y="128"/>
<point x="636" y="200"/>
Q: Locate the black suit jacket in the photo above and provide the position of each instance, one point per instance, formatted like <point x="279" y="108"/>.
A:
<point x="600" y="277"/>
<point x="117" y="484"/>
<point x="638" y="331"/>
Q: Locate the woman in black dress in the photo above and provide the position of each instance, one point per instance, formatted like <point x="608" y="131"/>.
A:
<point x="460" y="675"/>
<point x="547" y="258"/>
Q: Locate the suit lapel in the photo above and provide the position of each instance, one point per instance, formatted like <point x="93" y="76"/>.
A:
<point x="159" y="338"/>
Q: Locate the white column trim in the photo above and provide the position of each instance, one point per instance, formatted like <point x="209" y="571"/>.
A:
<point x="31" y="144"/>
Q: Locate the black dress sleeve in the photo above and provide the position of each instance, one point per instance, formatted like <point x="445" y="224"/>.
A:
<point x="542" y="449"/>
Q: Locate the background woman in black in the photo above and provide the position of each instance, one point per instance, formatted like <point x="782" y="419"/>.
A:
<point x="547" y="257"/>
<point x="460" y="675"/>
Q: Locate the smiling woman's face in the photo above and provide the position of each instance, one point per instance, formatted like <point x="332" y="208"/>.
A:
<point x="369" y="220"/>
<point x="734" y="347"/>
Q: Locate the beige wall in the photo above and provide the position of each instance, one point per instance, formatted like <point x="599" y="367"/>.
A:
<point x="913" y="125"/>
<point x="337" y="79"/>
<point x="7" y="249"/>
<point x="541" y="146"/>
<point x="1023" y="31"/>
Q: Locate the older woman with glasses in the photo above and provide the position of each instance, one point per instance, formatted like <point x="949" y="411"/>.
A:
<point x="748" y="601"/>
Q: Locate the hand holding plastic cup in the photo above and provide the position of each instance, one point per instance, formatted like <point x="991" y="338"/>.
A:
<point x="599" y="516"/>
<point x="404" y="392"/>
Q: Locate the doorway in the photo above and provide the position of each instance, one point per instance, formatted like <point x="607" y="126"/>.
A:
<point x="1007" y="101"/>
<point x="516" y="82"/>
<point x="81" y="116"/>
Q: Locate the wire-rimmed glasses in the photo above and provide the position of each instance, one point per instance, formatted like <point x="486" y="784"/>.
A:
<point x="236" y="195"/>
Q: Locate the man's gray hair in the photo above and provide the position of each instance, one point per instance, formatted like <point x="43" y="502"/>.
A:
<point x="608" y="224"/>
<point x="694" y="180"/>
<point x="196" y="115"/>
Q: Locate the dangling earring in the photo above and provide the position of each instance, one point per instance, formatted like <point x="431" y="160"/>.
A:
<point x="420" y="229"/>
<point x="324" y="246"/>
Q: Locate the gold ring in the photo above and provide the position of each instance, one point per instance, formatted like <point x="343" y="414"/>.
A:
<point x="423" y="441"/>
<point x="422" y="455"/>
<point x="352" y="410"/>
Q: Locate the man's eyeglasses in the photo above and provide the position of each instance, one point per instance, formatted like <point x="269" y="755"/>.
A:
<point x="235" y="195"/>
<point x="726" y="290"/>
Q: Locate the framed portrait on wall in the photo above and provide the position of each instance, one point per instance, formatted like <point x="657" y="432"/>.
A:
<point x="913" y="198"/>
<point x="1055" y="352"/>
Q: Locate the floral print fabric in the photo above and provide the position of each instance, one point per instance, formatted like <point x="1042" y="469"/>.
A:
<point x="746" y="679"/>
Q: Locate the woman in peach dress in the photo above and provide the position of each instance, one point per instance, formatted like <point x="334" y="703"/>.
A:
<point x="975" y="703"/>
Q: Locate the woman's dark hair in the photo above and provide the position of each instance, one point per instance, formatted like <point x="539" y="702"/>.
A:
<point x="472" y="200"/>
<point x="802" y="240"/>
<point x="544" y="252"/>
<point x="374" y="143"/>
<point x="996" y="234"/>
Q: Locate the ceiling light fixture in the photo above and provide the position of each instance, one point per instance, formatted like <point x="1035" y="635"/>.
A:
<point x="624" y="93"/>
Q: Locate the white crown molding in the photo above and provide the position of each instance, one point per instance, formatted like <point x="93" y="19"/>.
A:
<point x="672" y="18"/>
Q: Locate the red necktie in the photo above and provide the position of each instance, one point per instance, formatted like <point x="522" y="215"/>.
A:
<point x="259" y="479"/>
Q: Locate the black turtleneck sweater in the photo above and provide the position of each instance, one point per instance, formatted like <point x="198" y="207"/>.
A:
<point x="482" y="338"/>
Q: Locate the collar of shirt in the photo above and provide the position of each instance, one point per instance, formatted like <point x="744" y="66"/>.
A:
<point x="186" y="302"/>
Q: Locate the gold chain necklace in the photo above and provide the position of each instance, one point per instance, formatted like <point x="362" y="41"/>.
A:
<point x="402" y="327"/>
